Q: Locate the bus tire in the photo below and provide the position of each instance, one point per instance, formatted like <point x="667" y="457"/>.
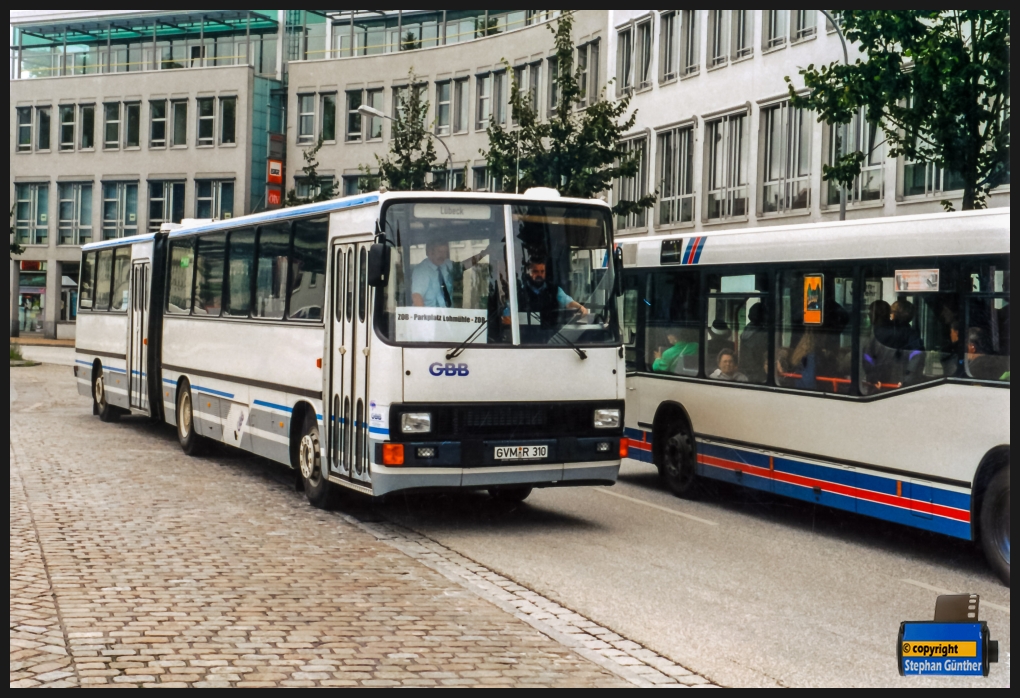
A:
<point x="995" y="524"/>
<point x="678" y="466"/>
<point x="321" y="493"/>
<point x="100" y="404"/>
<point x="510" y="495"/>
<point x="191" y="441"/>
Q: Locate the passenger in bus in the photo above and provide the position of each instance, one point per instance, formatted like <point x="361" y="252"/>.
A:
<point x="953" y="351"/>
<point x="727" y="371"/>
<point x="432" y="279"/>
<point x="754" y="344"/>
<point x="718" y="337"/>
<point x="538" y="296"/>
<point x="681" y="357"/>
<point x="981" y="361"/>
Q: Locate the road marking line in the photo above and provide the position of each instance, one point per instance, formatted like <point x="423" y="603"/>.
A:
<point x="939" y="590"/>
<point x="674" y="512"/>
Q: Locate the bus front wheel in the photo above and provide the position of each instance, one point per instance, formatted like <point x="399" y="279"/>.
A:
<point x="100" y="403"/>
<point x="190" y="439"/>
<point x="321" y="492"/>
<point x="995" y="524"/>
<point x="678" y="468"/>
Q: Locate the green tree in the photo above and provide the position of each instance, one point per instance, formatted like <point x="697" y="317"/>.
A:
<point x="412" y="155"/>
<point x="577" y="150"/>
<point x="936" y="81"/>
<point x="15" y="247"/>
<point x="319" y="188"/>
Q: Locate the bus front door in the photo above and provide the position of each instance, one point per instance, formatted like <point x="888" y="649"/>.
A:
<point x="138" y="339"/>
<point x="346" y="423"/>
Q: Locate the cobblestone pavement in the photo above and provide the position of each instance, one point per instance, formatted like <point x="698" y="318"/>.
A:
<point x="134" y="564"/>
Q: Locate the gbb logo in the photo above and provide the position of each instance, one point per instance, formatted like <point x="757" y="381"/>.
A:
<point x="439" y="369"/>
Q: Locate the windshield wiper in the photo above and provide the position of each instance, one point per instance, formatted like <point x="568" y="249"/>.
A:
<point x="459" y="349"/>
<point x="580" y="352"/>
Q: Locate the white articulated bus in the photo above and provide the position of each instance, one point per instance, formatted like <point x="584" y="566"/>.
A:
<point x="863" y="365"/>
<point x="383" y="342"/>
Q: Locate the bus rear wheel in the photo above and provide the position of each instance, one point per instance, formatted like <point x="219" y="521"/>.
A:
<point x="995" y="524"/>
<point x="100" y="404"/>
<point x="191" y="441"/>
<point x="321" y="492"/>
<point x="678" y="467"/>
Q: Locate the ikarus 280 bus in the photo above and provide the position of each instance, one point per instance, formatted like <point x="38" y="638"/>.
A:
<point x="384" y="342"/>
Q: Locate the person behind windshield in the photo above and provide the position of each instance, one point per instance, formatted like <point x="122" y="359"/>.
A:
<point x="727" y="370"/>
<point x="538" y="296"/>
<point x="431" y="280"/>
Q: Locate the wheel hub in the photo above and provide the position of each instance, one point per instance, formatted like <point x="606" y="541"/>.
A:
<point x="308" y="457"/>
<point x="185" y="420"/>
<point x="100" y="393"/>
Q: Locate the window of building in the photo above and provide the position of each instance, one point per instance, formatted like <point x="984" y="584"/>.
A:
<point x="690" y="58"/>
<point x="829" y="26"/>
<point x="643" y="57"/>
<point x="402" y="99"/>
<point x="120" y="209"/>
<point x="668" y="49"/>
<point x="271" y="271"/>
<point x="327" y="129"/>
<point x="672" y="324"/>
<point x="737" y="328"/>
<point x="111" y="126"/>
<point x="625" y="61"/>
<point x="554" y="86"/>
<point x="209" y="275"/>
<point x="157" y="124"/>
<point x="306" y="188"/>
<point x="461" y="105"/>
<point x="24" y="129"/>
<point x="786" y="158"/>
<point x="74" y="213"/>
<point x="718" y="34"/>
<point x="676" y="176"/>
<point x="354" y="98"/>
<point x="182" y="270"/>
<point x="228" y="120"/>
<point x="726" y="155"/>
<point x="742" y="31"/>
<point x="307" y="278"/>
<point x="214" y="199"/>
<point x="31" y="213"/>
<point x="443" y="108"/>
<point x="773" y="29"/>
<point x="449" y="180"/>
<point x="374" y="124"/>
<point x="43" y="117"/>
<point x="87" y="134"/>
<point x="814" y="332"/>
<point x="483" y="91"/>
<point x="66" y="113"/>
<point x="132" y="125"/>
<point x="359" y="184"/>
<point x="863" y="136"/>
<point x="803" y="24"/>
<point x="589" y="81"/>
<point x="206" y="121"/>
<point x="166" y="204"/>
<point x="535" y="85"/>
<point x="582" y="75"/>
<point x="179" y="135"/>
<point x="241" y="264"/>
<point x="499" y="97"/>
<point x="928" y="179"/>
<point x="633" y="188"/>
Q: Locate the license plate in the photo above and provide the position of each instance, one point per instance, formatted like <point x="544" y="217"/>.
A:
<point x="521" y="452"/>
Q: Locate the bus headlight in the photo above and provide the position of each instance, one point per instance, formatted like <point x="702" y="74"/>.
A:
<point x="416" y="422"/>
<point x="607" y="419"/>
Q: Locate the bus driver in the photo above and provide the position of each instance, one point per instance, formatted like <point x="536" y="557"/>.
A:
<point x="537" y="296"/>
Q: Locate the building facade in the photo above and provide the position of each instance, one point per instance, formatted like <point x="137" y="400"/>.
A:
<point x="122" y="121"/>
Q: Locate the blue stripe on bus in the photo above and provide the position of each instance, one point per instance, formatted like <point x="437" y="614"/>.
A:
<point x="170" y="381"/>
<point x="83" y="363"/>
<point x="700" y="247"/>
<point x="377" y="430"/>
<point x="114" y="369"/>
<point x="273" y="405"/>
<point x="144" y="237"/>
<point x="210" y="391"/>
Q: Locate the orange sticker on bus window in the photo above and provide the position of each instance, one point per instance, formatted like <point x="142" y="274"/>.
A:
<point x="917" y="280"/>
<point x="813" y="298"/>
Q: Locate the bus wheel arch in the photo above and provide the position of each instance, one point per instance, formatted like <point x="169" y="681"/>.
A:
<point x="990" y="510"/>
<point x="674" y="451"/>
<point x="306" y="456"/>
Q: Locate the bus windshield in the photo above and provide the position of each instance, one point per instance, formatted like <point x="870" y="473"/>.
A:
<point x="453" y="278"/>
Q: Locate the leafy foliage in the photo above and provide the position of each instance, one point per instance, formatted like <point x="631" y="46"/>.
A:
<point x="320" y="188"/>
<point x="577" y="150"/>
<point x="412" y="155"/>
<point x="936" y="81"/>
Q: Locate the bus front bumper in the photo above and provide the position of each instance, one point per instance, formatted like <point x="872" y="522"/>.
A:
<point x="394" y="479"/>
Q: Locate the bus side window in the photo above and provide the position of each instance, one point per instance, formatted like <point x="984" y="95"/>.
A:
<point x="104" y="278"/>
<point x="813" y="336"/>
<point x="271" y="272"/>
<point x="673" y="323"/>
<point x="182" y="269"/>
<point x="308" y="269"/>
<point x="241" y="260"/>
<point x="985" y="339"/>
<point x="209" y="275"/>
<point x="87" y="286"/>
<point x="736" y="346"/>
<point x="629" y="313"/>
<point x="121" y="278"/>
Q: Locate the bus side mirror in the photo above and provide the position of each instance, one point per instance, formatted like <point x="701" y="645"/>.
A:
<point x="378" y="265"/>
<point x="618" y="270"/>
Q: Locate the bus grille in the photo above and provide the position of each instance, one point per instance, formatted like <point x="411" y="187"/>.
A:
<point x="511" y="420"/>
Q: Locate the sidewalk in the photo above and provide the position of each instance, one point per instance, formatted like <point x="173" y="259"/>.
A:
<point x="133" y="564"/>
<point x="37" y="341"/>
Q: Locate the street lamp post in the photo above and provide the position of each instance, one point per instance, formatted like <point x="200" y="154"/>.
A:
<point x="842" y="142"/>
<point x="366" y="110"/>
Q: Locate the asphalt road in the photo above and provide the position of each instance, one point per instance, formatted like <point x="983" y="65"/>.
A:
<point x="742" y="587"/>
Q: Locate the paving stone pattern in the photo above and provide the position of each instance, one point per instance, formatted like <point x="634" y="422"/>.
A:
<point x="133" y="564"/>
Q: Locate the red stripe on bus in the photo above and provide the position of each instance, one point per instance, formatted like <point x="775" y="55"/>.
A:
<point x="640" y="446"/>
<point x="846" y="490"/>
